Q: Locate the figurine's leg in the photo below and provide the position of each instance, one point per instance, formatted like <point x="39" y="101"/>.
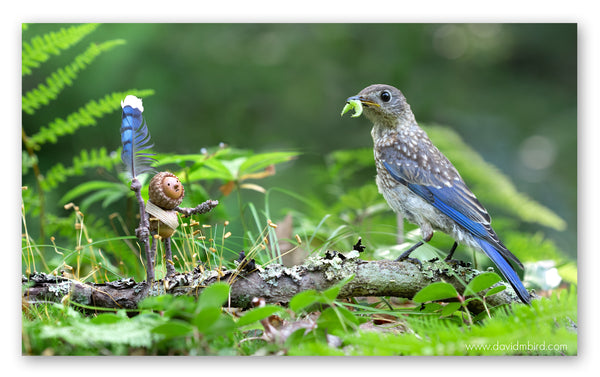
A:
<point x="151" y="257"/>
<point x="169" y="257"/>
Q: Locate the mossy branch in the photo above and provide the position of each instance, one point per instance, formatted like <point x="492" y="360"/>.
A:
<point x="86" y="159"/>
<point x="274" y="283"/>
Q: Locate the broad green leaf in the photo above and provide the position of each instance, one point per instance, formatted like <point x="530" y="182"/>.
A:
<point x="450" y="308"/>
<point x="222" y="326"/>
<point x="495" y="290"/>
<point x="173" y="328"/>
<point x="180" y="159"/>
<point x="106" y="318"/>
<point x="212" y="169"/>
<point x="337" y="319"/>
<point x="309" y="297"/>
<point x="213" y="296"/>
<point x="260" y="161"/>
<point x="435" y="291"/>
<point x="206" y="318"/>
<point x="258" y="314"/>
<point x="304" y="299"/>
<point x="481" y="282"/>
<point x="297" y="337"/>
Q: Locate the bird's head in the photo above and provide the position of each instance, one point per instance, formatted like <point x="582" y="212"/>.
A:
<point x="383" y="105"/>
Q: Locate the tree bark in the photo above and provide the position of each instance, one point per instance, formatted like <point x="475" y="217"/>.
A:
<point x="275" y="283"/>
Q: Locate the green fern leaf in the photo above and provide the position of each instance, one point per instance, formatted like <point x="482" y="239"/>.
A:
<point x="57" y="81"/>
<point x="93" y="159"/>
<point x="85" y="116"/>
<point x="95" y="191"/>
<point x="83" y="332"/>
<point x="39" y="48"/>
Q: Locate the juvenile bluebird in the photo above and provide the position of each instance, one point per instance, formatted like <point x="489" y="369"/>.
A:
<point x="420" y="183"/>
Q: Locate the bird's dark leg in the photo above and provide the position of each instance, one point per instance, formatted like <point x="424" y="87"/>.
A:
<point x="452" y="250"/>
<point x="407" y="252"/>
<point x="427" y="234"/>
<point x="169" y="257"/>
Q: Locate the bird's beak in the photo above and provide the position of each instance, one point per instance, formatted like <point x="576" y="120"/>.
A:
<point x="363" y="101"/>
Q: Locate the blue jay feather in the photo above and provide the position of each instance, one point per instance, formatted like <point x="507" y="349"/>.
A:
<point x="135" y="138"/>
<point x="418" y="181"/>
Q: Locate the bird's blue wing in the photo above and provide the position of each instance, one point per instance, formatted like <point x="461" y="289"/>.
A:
<point x="136" y="142"/>
<point x="435" y="180"/>
<point x="446" y="191"/>
<point x="451" y="201"/>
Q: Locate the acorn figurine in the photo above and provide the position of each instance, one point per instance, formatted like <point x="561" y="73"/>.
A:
<point x="165" y="193"/>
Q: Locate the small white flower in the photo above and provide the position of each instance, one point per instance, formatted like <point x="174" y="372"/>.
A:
<point x="132" y="101"/>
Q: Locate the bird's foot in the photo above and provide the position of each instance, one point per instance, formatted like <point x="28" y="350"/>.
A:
<point x="407" y="258"/>
<point x="449" y="259"/>
<point x="405" y="255"/>
<point x="457" y="262"/>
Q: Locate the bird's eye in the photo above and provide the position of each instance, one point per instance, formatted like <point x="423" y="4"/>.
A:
<point x="385" y="96"/>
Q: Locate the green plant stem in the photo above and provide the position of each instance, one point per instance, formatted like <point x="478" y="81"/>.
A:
<point x="38" y="178"/>
<point x="241" y="207"/>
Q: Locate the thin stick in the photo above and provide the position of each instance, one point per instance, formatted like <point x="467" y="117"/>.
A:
<point x="202" y="208"/>
<point x="143" y="232"/>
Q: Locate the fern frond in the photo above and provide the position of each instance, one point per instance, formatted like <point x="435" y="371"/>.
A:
<point x="85" y="116"/>
<point x="39" y="48"/>
<point x="121" y="330"/>
<point x="94" y="158"/>
<point x="56" y="82"/>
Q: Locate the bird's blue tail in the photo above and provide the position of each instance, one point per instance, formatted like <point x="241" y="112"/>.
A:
<point x="506" y="269"/>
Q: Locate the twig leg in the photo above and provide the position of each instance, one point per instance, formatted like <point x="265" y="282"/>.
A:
<point x="152" y="257"/>
<point x="169" y="257"/>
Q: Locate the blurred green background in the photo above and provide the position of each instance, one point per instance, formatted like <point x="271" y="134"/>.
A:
<point x="509" y="90"/>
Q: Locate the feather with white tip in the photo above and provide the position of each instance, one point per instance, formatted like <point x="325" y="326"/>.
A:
<point x="135" y="138"/>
